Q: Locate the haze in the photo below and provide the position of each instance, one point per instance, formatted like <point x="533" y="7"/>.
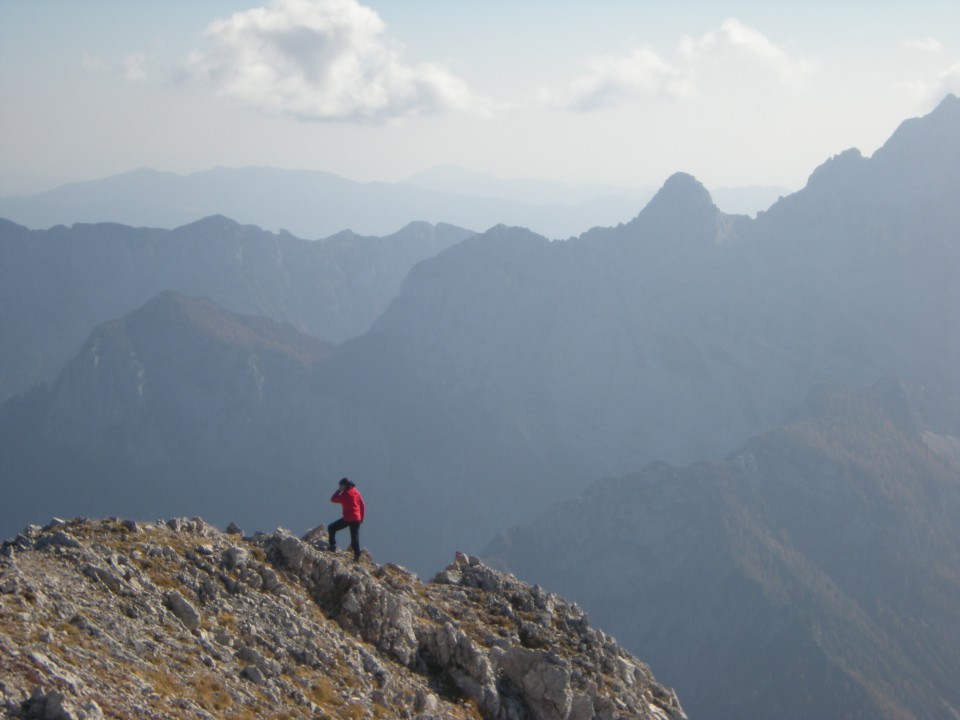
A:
<point x="610" y="93"/>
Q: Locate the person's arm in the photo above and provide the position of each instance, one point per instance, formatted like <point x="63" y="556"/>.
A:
<point x="363" y="508"/>
<point x="335" y="498"/>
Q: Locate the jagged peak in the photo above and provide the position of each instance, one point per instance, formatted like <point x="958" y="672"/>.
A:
<point x="931" y="135"/>
<point x="681" y="195"/>
<point x="841" y="165"/>
<point x="681" y="214"/>
<point x="927" y="146"/>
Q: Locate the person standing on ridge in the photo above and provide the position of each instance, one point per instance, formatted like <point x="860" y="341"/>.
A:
<point x="349" y="497"/>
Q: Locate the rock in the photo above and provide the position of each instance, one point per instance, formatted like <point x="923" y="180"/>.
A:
<point x="234" y="557"/>
<point x="542" y="678"/>
<point x="253" y="674"/>
<point x="57" y="539"/>
<point x="233" y="529"/>
<point x="271" y="581"/>
<point x="182" y="609"/>
<point x="45" y="706"/>
<point x="90" y="711"/>
<point x="132" y="526"/>
<point x="291" y="551"/>
<point x="109" y="578"/>
<point x="269" y="668"/>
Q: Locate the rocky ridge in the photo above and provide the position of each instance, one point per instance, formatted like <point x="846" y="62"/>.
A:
<point x="115" y="618"/>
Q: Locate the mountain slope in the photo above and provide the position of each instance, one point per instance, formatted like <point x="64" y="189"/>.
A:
<point x="180" y="402"/>
<point x="813" y="573"/>
<point x="124" y="619"/>
<point x="56" y="285"/>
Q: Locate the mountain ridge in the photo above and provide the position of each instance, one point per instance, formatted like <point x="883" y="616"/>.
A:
<point x="308" y="204"/>
<point x="314" y="204"/>
<point x="77" y="277"/>
<point x="120" y="618"/>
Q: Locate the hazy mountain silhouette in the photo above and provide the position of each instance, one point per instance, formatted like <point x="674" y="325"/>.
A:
<point x="314" y="204"/>
<point x="815" y="572"/>
<point x="56" y="285"/>
<point x="309" y="204"/>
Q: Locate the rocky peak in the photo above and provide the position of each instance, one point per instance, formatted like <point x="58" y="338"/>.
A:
<point x="175" y="314"/>
<point x="117" y="618"/>
<point x="682" y="212"/>
<point x="924" y="139"/>
<point x="915" y="171"/>
<point x="844" y="168"/>
<point x="681" y="193"/>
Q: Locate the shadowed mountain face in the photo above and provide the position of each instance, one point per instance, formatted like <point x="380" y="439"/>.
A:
<point x="178" y="400"/>
<point x="682" y="333"/>
<point x="56" y="285"/>
<point x="813" y="573"/>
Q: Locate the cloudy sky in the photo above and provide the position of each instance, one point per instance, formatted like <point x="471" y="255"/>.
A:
<point x="610" y="92"/>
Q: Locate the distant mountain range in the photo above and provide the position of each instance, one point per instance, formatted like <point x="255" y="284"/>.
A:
<point x="57" y="284"/>
<point x="508" y="371"/>
<point x="312" y="204"/>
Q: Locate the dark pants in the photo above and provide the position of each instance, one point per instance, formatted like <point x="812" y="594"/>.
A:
<point x="339" y="525"/>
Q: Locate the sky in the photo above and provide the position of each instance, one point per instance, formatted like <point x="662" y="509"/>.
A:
<point x="605" y="92"/>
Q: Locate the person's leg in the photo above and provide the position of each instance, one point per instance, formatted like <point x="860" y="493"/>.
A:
<point x="355" y="539"/>
<point x="332" y="530"/>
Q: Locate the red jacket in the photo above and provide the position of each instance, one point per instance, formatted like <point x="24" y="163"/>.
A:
<point x="353" y="508"/>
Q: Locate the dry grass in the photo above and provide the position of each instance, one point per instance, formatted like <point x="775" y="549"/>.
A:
<point x="322" y="692"/>
<point x="212" y="695"/>
<point x="228" y="620"/>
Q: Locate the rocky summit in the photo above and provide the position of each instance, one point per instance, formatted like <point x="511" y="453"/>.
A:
<point x="121" y="619"/>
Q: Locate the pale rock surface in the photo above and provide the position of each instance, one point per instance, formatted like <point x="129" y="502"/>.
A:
<point x="112" y="618"/>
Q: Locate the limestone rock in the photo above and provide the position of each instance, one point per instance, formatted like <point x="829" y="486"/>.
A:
<point x="179" y="619"/>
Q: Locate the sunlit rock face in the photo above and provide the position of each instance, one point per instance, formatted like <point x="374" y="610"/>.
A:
<point x="178" y="619"/>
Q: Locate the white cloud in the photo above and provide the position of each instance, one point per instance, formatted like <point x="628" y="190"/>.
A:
<point x="731" y="49"/>
<point x="949" y="82"/>
<point x="134" y="67"/>
<point x="90" y="63"/>
<point x="734" y="43"/>
<point x="927" y="91"/>
<point x="929" y="45"/>
<point x="610" y="80"/>
<point x="323" y="60"/>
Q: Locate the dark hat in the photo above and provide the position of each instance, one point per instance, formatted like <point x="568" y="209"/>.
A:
<point x="345" y="481"/>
